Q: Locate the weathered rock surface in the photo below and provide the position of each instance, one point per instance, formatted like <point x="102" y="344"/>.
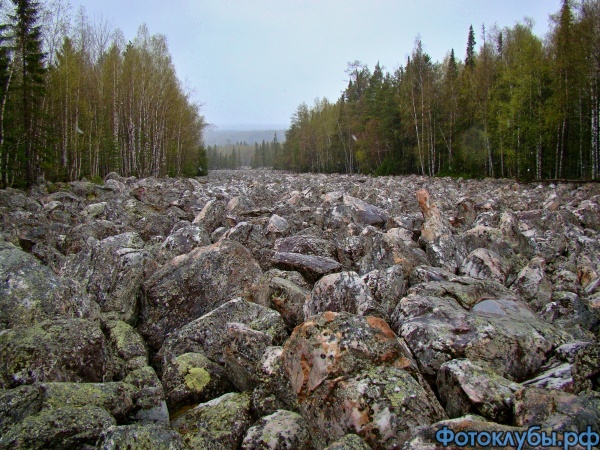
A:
<point x="131" y="312"/>
<point x="353" y="375"/>
<point x="30" y="292"/>
<point x="60" y="350"/>
<point x="283" y="430"/>
<point x="192" y="285"/>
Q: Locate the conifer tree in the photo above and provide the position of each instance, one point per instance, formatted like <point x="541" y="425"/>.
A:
<point x="28" y="45"/>
<point x="470" y="58"/>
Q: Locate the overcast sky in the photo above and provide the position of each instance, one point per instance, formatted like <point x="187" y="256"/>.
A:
<point x="253" y="62"/>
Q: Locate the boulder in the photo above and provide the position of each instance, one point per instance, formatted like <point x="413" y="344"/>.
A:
<point x="274" y="390"/>
<point x="183" y="240"/>
<point x="306" y="245"/>
<point x="465" y="387"/>
<point x="387" y="287"/>
<point x="352" y="374"/>
<point x="129" y="350"/>
<point x="311" y="267"/>
<point x="148" y="396"/>
<point x="31" y="293"/>
<point x="140" y="437"/>
<point x="441" y="326"/>
<point x="556" y="410"/>
<point x="191" y="285"/>
<point x="282" y="430"/>
<point x="349" y="442"/>
<point x="62" y="428"/>
<point x="212" y="215"/>
<point x="113" y="397"/>
<point x="586" y="368"/>
<point x="223" y="421"/>
<point x="208" y="334"/>
<point x="17" y="404"/>
<point x="55" y="350"/>
<point x="112" y="271"/>
<point x="485" y="264"/>
<point x="343" y="291"/>
<point x="191" y="379"/>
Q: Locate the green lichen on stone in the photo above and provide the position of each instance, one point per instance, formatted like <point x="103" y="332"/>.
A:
<point x="197" y="378"/>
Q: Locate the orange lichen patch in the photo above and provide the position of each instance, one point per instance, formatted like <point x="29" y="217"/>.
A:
<point x="329" y="316"/>
<point x="402" y="363"/>
<point x="380" y="324"/>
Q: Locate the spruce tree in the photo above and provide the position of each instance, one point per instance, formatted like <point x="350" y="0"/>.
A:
<point x="470" y="58"/>
<point x="28" y="46"/>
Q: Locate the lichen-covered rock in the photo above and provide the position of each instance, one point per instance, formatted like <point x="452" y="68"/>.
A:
<point x="274" y="390"/>
<point x="223" y="420"/>
<point x="352" y="374"/>
<point x="114" y="397"/>
<point x="586" y="368"/>
<point x="387" y="287"/>
<point x="484" y="264"/>
<point x="17" y="404"/>
<point x="306" y="245"/>
<point x="191" y="379"/>
<point x="428" y="438"/>
<point x="365" y="213"/>
<point x="62" y="428"/>
<point x="208" y="334"/>
<point x="130" y="351"/>
<point x="343" y="291"/>
<point x="31" y="292"/>
<point x="349" y="442"/>
<point x="556" y="410"/>
<point x="465" y="387"/>
<point x="112" y="271"/>
<point x="140" y="437"/>
<point x="183" y="240"/>
<point x="373" y="250"/>
<point x="192" y="285"/>
<point x="311" y="267"/>
<point x="60" y="350"/>
<point x="148" y="397"/>
<point x="438" y="329"/>
<point x="211" y="216"/>
<point x="533" y="284"/>
<point x="282" y="430"/>
<point x="282" y="295"/>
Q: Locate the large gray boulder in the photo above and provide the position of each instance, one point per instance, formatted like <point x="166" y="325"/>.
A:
<point x="191" y="285"/>
<point x="54" y="350"/>
<point x="352" y="374"/>
<point x="112" y="271"/>
<point x="31" y="293"/>
<point x="283" y="430"/>
<point x="441" y="321"/>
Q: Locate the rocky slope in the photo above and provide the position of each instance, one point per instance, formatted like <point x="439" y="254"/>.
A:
<point x="267" y="310"/>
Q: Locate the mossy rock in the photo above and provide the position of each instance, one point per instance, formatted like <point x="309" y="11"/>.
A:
<point x="63" y="428"/>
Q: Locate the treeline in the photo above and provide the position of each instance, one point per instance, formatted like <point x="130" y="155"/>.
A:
<point x="78" y="100"/>
<point x="517" y="106"/>
<point x="238" y="155"/>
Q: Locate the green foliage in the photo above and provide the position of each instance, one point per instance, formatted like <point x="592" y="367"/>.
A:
<point x="518" y="107"/>
<point x="106" y="106"/>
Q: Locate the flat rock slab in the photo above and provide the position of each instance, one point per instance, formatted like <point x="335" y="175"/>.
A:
<point x="312" y="267"/>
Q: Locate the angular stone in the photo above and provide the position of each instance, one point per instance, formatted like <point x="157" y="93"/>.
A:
<point x="192" y="285"/>
<point x="312" y="267"/>
<point x="63" y="428"/>
<point x="140" y="437"/>
<point x="274" y="390"/>
<point x="349" y="442"/>
<point x="60" y="350"/>
<point x="31" y="293"/>
<point x="306" y="245"/>
<point x="352" y="374"/>
<point x="282" y="430"/>
<point x="192" y="378"/>
<point x="224" y="420"/>
<point x="465" y="387"/>
<point x="343" y="291"/>
<point x="17" y="404"/>
<point x="208" y="334"/>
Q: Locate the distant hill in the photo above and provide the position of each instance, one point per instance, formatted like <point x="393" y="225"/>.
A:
<point x="219" y="136"/>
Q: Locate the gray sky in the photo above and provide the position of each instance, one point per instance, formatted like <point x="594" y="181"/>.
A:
<point x="253" y="62"/>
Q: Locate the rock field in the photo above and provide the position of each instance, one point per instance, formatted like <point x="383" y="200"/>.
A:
<point x="267" y="310"/>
